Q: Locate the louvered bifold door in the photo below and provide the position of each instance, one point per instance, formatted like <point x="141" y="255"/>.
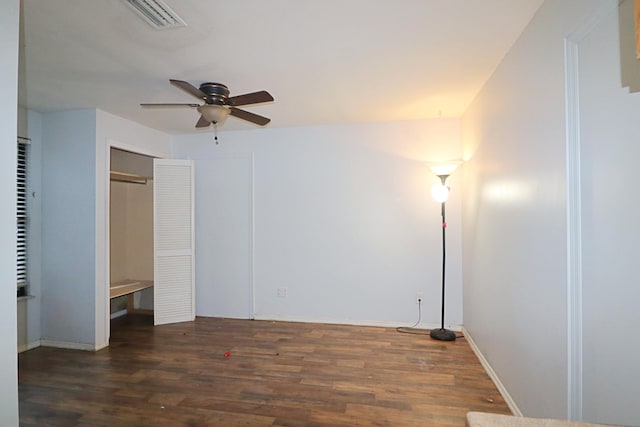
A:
<point x="174" y="285"/>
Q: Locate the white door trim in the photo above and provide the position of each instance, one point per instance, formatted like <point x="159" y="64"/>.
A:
<point x="574" y="212"/>
<point x="103" y="317"/>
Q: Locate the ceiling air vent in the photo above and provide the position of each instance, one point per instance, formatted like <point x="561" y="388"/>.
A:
<point x="156" y="13"/>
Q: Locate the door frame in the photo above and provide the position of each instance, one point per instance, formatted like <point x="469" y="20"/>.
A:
<point x="104" y="282"/>
<point x="248" y="159"/>
<point x="574" y="211"/>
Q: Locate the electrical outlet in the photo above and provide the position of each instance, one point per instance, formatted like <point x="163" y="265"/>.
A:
<point x="282" y="292"/>
<point x="419" y="298"/>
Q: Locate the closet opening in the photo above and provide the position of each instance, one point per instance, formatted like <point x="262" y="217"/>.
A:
<point x="130" y="233"/>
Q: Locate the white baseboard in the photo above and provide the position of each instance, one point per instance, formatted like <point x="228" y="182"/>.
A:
<point x="353" y="322"/>
<point x="69" y="345"/>
<point x="118" y="313"/>
<point x="492" y="374"/>
<point x="28" y="346"/>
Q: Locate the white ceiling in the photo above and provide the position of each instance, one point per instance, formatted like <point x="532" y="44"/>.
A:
<point x="324" y="61"/>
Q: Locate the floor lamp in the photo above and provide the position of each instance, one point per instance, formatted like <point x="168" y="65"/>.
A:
<point x="440" y="193"/>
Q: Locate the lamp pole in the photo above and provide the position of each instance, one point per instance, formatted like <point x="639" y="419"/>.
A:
<point x="443" y="334"/>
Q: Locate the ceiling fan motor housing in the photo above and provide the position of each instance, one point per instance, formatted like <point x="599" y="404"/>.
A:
<point x="217" y="93"/>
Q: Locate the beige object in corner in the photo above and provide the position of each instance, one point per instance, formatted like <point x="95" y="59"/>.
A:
<point x="482" y="419"/>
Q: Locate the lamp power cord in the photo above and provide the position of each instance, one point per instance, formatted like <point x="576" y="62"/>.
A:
<point x="413" y="328"/>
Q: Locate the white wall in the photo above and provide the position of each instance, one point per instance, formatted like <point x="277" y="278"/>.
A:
<point x="68" y="227"/>
<point x="343" y="219"/>
<point x="515" y="226"/>
<point x="9" y="18"/>
<point x="610" y="118"/>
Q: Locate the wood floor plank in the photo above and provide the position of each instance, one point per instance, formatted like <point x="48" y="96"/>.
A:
<point x="281" y="374"/>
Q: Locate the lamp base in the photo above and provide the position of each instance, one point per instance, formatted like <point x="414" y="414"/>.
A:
<point x="442" y="334"/>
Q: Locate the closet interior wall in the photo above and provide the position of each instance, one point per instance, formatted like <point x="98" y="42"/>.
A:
<point x="131" y="226"/>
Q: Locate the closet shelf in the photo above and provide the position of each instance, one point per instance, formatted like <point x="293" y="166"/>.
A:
<point x="127" y="287"/>
<point x="129" y="177"/>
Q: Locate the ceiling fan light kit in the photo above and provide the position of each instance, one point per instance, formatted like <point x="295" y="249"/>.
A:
<point x="215" y="114"/>
<point x="218" y="105"/>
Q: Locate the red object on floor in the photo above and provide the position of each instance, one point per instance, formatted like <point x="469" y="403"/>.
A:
<point x="227" y="354"/>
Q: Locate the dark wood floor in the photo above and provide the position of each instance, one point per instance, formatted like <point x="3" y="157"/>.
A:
<point x="278" y="374"/>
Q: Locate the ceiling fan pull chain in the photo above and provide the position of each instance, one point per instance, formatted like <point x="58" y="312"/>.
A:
<point x="215" y="133"/>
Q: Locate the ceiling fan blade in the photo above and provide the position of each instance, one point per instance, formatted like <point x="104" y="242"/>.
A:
<point x="168" y="105"/>
<point x="203" y="123"/>
<point x="251" y="98"/>
<point x="250" y="117"/>
<point x="189" y="88"/>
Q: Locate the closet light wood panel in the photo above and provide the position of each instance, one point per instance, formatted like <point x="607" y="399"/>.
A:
<point x="126" y="287"/>
<point x="277" y="374"/>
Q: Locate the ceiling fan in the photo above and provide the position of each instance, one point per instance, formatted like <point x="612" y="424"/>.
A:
<point x="218" y="104"/>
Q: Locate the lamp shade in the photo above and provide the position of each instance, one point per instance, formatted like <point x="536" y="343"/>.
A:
<point x="214" y="113"/>
<point x="445" y="168"/>
<point x="440" y="193"/>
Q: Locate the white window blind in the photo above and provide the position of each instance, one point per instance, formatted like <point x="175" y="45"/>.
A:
<point x="22" y="181"/>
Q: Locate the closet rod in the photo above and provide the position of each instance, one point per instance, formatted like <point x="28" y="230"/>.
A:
<point x="129" y="178"/>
